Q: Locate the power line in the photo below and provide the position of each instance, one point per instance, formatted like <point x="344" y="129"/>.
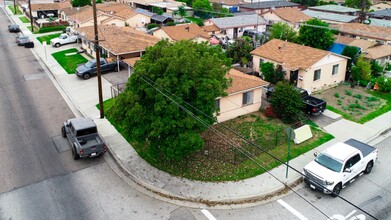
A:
<point x="241" y="136"/>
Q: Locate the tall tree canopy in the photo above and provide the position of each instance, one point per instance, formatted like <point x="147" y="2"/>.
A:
<point x="167" y="77"/>
<point x="315" y="33"/>
<point x="286" y="102"/>
<point x="363" y="5"/>
<point x="80" y="3"/>
<point x="283" y="31"/>
<point x="271" y="74"/>
<point x="306" y="3"/>
<point x="202" y="8"/>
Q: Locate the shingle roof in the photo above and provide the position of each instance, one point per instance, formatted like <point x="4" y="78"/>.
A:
<point x="159" y="18"/>
<point x="84" y="15"/>
<point x="185" y="32"/>
<point x="269" y="4"/>
<point x="117" y="9"/>
<point x="120" y="40"/>
<point x="343" y="39"/>
<point x="210" y="28"/>
<point x="380" y="22"/>
<point x="377" y="52"/>
<point x="381" y="13"/>
<point x="330" y="16"/>
<point x="144" y="12"/>
<point x="72" y="11"/>
<point x="131" y="61"/>
<point x="239" y="21"/>
<point x="291" y="55"/>
<point x="375" y="32"/>
<point x="44" y="6"/>
<point x="363" y="44"/>
<point x="242" y="81"/>
<point x="334" y="8"/>
<point x="291" y="14"/>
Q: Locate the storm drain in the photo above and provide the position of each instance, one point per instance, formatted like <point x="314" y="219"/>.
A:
<point x="34" y="76"/>
<point x="62" y="144"/>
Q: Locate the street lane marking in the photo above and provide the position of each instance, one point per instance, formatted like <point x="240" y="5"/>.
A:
<point x="208" y="214"/>
<point x="294" y="211"/>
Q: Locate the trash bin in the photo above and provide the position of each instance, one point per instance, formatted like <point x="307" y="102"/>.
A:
<point x="29" y="45"/>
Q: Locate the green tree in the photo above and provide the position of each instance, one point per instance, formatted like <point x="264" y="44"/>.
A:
<point x="306" y="3"/>
<point x="272" y="74"/>
<point x="315" y="33"/>
<point x="167" y="77"/>
<point x="376" y="69"/>
<point x="202" y="8"/>
<point x="363" y="5"/>
<point x="240" y="50"/>
<point x="361" y="72"/>
<point x="352" y="52"/>
<point x="286" y="102"/>
<point x="283" y="31"/>
<point x="157" y="10"/>
<point x="80" y="3"/>
<point x="187" y="2"/>
<point x="182" y="11"/>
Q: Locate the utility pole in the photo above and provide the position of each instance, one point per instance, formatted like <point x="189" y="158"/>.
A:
<point x="14" y="7"/>
<point x="97" y="50"/>
<point x="31" y="17"/>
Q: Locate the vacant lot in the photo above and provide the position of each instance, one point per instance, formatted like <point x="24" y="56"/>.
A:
<point x="353" y="103"/>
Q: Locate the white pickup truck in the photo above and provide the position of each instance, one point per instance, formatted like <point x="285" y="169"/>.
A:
<point x="339" y="165"/>
<point x="66" y="38"/>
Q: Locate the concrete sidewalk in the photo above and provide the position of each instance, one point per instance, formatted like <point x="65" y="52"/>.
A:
<point x="83" y="95"/>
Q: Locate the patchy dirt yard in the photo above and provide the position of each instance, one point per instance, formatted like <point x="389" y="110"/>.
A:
<point x="355" y="102"/>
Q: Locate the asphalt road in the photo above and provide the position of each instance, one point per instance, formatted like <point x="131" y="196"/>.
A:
<point x="31" y="114"/>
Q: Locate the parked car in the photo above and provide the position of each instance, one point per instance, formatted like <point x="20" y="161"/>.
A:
<point x="82" y="134"/>
<point x="13" y="28"/>
<point x="89" y="69"/>
<point x="66" y="38"/>
<point x="311" y="104"/>
<point x="340" y="165"/>
<point x="22" y="40"/>
<point x="251" y="33"/>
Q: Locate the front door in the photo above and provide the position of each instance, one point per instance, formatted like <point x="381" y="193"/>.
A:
<point x="293" y="77"/>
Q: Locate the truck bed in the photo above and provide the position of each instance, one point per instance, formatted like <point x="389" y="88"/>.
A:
<point x="364" y="148"/>
<point x="88" y="141"/>
<point x="312" y="100"/>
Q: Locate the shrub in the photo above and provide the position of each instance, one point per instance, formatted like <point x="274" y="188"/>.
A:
<point x="336" y="95"/>
<point x="358" y="96"/>
<point x="150" y="26"/>
<point x="384" y="84"/>
<point x="269" y="112"/>
<point x="339" y="102"/>
<point x="349" y="93"/>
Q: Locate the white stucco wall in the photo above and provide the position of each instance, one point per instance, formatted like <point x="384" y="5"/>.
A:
<point x="138" y="20"/>
<point x="231" y="105"/>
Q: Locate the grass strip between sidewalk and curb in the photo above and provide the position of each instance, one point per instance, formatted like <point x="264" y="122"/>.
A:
<point x="47" y="38"/>
<point x="231" y="165"/>
<point x="24" y="19"/>
<point x="11" y="8"/>
<point x="69" y="59"/>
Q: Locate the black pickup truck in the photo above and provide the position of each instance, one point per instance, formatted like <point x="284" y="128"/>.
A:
<point x="311" y="104"/>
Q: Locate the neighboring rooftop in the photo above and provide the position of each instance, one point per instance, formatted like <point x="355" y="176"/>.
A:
<point x="120" y="40"/>
<point x="185" y="32"/>
<point x="242" y="81"/>
<point x="343" y="39"/>
<point x="238" y="21"/>
<point x="293" y="56"/>
<point x="385" y="13"/>
<point x="293" y="15"/>
<point x="330" y="16"/>
<point x="363" y="30"/>
<point x="144" y="12"/>
<point x="50" y="6"/>
<point x="378" y="51"/>
<point x="269" y="4"/>
<point x="229" y="2"/>
<point x="74" y="10"/>
<point x="337" y="48"/>
<point x="334" y="9"/>
<point x="380" y="22"/>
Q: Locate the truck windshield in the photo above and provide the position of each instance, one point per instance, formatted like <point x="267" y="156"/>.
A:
<point x="89" y="64"/>
<point x="329" y="163"/>
<point x="87" y="131"/>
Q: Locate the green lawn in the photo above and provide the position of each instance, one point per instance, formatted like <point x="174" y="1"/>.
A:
<point x="222" y="162"/>
<point x="47" y="38"/>
<point x="70" y="62"/>
<point x="36" y="30"/>
<point x="18" y="12"/>
<point x="24" y="19"/>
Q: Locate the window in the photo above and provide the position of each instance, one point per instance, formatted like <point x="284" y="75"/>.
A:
<point x="352" y="161"/>
<point x="335" y="69"/>
<point x="260" y="63"/>
<point x="248" y="98"/>
<point x="316" y="75"/>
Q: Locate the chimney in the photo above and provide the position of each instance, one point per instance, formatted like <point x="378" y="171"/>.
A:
<point x="187" y="28"/>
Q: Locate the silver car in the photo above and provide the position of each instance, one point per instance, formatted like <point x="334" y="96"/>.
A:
<point x="21" y="40"/>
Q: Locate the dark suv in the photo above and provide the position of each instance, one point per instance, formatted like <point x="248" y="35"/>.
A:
<point x="13" y="28"/>
<point x="251" y="33"/>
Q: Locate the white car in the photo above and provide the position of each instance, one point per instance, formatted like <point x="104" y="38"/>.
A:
<point x="66" y="38"/>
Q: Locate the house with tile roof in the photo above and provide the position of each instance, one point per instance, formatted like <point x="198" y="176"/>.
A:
<point x="373" y="51"/>
<point x="179" y="32"/>
<point x="261" y="7"/>
<point x="331" y="18"/>
<point x="291" y="16"/>
<point x="116" y="42"/>
<point x="46" y="10"/>
<point x="306" y="67"/>
<point x="233" y="27"/>
<point x="366" y="32"/>
<point x="66" y="12"/>
<point x="244" y="96"/>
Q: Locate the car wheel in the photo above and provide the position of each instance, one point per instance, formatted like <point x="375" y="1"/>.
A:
<point x="57" y="45"/>
<point x="64" y="134"/>
<point x="369" y="167"/>
<point x="74" y="154"/>
<point x="336" y="190"/>
<point x="86" y="76"/>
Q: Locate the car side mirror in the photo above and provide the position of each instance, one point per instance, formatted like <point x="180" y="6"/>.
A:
<point x="316" y="154"/>
<point x="347" y="170"/>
